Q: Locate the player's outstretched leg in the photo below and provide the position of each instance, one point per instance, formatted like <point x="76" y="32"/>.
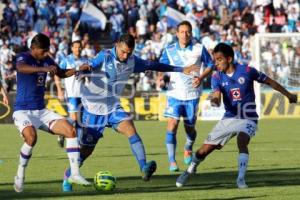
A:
<point x="183" y="178"/>
<point x="137" y="147"/>
<point x="72" y="148"/>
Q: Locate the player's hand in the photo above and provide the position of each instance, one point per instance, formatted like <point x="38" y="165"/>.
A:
<point x="5" y="100"/>
<point x="52" y="69"/>
<point x="196" y="81"/>
<point x="189" y="69"/>
<point x="85" y="67"/>
<point x="214" y="102"/>
<point x="293" y="98"/>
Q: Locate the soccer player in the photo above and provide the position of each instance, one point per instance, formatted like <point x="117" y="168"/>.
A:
<point x="110" y="71"/>
<point x="30" y="112"/>
<point x="72" y="84"/>
<point x="235" y="83"/>
<point x="182" y="97"/>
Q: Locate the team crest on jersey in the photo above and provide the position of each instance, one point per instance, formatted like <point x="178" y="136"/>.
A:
<point x="235" y="94"/>
<point x="241" y="80"/>
<point x="40" y="80"/>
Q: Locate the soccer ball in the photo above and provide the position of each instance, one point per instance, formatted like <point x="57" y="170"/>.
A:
<point x="104" y="181"/>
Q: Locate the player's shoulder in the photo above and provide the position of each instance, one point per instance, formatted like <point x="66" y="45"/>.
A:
<point x="171" y="47"/>
<point x="244" y="68"/>
<point x="23" y="56"/>
<point x="197" y="45"/>
<point x="216" y="75"/>
<point x="49" y="60"/>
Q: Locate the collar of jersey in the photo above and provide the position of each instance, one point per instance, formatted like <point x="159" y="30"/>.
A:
<point x="189" y="46"/>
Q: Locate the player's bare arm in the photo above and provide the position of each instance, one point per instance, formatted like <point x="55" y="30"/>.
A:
<point x="4" y="94"/>
<point x="60" y="92"/>
<point x="28" y="69"/>
<point x="187" y="70"/>
<point x="276" y="86"/>
<point x="197" y="80"/>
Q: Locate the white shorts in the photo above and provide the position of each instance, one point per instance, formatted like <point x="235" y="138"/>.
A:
<point x="225" y="129"/>
<point x="41" y="119"/>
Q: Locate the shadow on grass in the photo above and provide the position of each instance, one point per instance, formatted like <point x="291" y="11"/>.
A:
<point x="161" y="183"/>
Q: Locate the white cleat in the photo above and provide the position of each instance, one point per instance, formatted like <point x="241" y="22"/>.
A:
<point x="79" y="180"/>
<point x="241" y="184"/>
<point x="19" y="184"/>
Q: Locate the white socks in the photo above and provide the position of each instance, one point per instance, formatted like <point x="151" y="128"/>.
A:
<point x="25" y="155"/>
<point x="73" y="151"/>
<point x="242" y="163"/>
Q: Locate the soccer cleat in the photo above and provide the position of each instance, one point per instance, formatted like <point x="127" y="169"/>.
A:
<point x="19" y="184"/>
<point x="241" y="184"/>
<point x="187" y="157"/>
<point x="66" y="186"/>
<point x="148" y="170"/>
<point x="173" y="167"/>
<point x="78" y="179"/>
<point x="61" y="141"/>
<point x="182" y="179"/>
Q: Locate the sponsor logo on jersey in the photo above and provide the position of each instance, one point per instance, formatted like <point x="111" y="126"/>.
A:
<point x="235" y="94"/>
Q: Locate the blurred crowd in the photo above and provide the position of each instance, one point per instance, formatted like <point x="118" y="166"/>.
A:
<point x="232" y="21"/>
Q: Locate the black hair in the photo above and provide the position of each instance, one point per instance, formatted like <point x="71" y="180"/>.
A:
<point x="186" y="23"/>
<point x="225" y="49"/>
<point x="41" y="41"/>
<point x="127" y="39"/>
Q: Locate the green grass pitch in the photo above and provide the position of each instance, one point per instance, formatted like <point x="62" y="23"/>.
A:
<point x="273" y="172"/>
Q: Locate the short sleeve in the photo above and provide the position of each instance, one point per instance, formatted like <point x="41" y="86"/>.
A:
<point x="256" y="75"/>
<point x="63" y="64"/>
<point x="22" y="59"/>
<point x="97" y="60"/>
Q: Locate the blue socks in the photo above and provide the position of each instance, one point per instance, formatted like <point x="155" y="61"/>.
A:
<point x="138" y="149"/>
<point x="171" y="143"/>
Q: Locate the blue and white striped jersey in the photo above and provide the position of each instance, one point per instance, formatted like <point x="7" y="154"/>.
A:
<point x="101" y="94"/>
<point x="180" y="84"/>
<point x="72" y="84"/>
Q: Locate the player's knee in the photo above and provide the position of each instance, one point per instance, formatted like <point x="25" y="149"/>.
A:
<point x="70" y="132"/>
<point x="243" y="139"/>
<point x="172" y="124"/>
<point x="31" y="140"/>
<point x="190" y="129"/>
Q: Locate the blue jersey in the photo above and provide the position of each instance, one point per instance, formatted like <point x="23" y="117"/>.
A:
<point x="108" y="78"/>
<point x="31" y="87"/>
<point x="238" y="91"/>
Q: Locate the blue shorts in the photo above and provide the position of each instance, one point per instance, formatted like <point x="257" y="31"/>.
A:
<point x="73" y="104"/>
<point x="93" y="125"/>
<point x="182" y="108"/>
